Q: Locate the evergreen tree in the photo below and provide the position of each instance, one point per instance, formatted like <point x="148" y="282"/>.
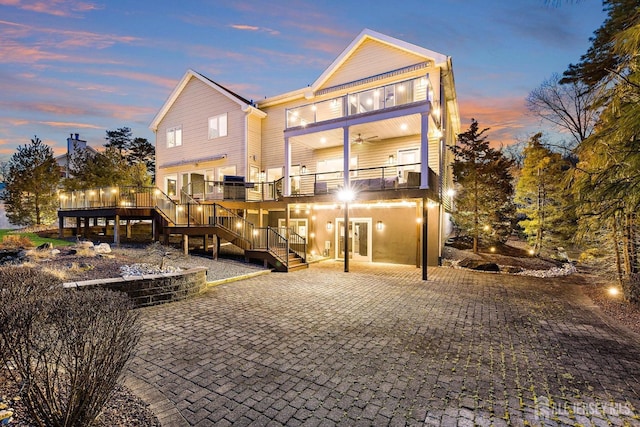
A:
<point x="484" y="207"/>
<point x="142" y="151"/>
<point x="607" y="179"/>
<point x="119" y="139"/>
<point x="602" y="59"/>
<point x="105" y="169"/>
<point x="542" y="197"/>
<point x="31" y="183"/>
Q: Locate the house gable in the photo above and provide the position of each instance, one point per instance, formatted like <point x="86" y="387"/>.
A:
<point x="372" y="54"/>
<point x="244" y="104"/>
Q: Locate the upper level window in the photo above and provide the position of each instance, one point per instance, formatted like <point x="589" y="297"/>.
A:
<point x="218" y="126"/>
<point x="174" y="136"/>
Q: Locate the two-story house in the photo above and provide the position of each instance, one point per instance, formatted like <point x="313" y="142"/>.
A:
<point x="385" y="110"/>
<point x="364" y="146"/>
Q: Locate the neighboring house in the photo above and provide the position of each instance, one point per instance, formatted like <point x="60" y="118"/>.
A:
<point x="74" y="145"/>
<point x="4" y="221"/>
<point x="388" y="106"/>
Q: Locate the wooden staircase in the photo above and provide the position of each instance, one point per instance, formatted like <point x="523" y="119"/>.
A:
<point x="282" y="253"/>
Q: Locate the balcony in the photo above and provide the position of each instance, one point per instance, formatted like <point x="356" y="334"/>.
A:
<point x="379" y="98"/>
<point x="366" y="179"/>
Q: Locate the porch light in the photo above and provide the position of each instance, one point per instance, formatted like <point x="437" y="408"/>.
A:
<point x="486" y="228"/>
<point x="239" y="224"/>
<point x="379" y="225"/>
<point x="303" y="169"/>
<point x="532" y="252"/>
<point x="312" y="235"/>
<point x="403" y="126"/>
<point x="613" y="291"/>
<point x="156" y="192"/>
<point x="255" y="232"/>
<point x="329" y="226"/>
<point x="451" y="192"/>
<point x="392" y="159"/>
<point x="492" y="249"/>
<point x="114" y="190"/>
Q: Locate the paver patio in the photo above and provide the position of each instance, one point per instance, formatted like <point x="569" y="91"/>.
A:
<point x="378" y="346"/>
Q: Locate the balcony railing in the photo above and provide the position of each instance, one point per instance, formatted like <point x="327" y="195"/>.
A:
<point x="367" y="179"/>
<point x="379" y="98"/>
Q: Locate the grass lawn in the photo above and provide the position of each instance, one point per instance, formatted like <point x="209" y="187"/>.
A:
<point x="37" y="240"/>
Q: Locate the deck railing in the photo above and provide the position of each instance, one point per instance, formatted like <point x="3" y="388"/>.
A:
<point x="366" y="179"/>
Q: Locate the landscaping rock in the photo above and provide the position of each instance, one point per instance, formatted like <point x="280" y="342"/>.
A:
<point x="85" y="244"/>
<point x="478" y="265"/>
<point x="102" y="248"/>
<point x="55" y="252"/>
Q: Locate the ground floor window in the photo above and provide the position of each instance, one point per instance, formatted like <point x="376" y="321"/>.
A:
<point x="171" y="185"/>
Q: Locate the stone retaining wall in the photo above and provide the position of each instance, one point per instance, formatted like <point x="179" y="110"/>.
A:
<point x="154" y="289"/>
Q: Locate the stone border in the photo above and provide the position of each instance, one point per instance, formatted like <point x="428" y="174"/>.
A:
<point x="153" y="289"/>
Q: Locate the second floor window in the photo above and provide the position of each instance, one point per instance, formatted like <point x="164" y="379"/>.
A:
<point x="218" y="126"/>
<point x="174" y="136"/>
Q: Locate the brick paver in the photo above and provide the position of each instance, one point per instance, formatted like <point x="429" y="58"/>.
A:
<point x="378" y="346"/>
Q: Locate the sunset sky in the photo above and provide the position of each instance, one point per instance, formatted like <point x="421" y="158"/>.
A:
<point x="69" y="66"/>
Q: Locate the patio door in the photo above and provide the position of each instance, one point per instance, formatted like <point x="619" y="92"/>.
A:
<point x="359" y="235"/>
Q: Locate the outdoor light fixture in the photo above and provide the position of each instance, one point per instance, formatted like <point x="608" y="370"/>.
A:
<point x="304" y="169"/>
<point x="379" y="225"/>
<point x="532" y="252"/>
<point x="451" y="192"/>
<point x="346" y="195"/>
<point x="239" y="224"/>
<point x="329" y="225"/>
<point x="392" y="159"/>
<point x="492" y="249"/>
<point x="613" y="291"/>
<point x="485" y="228"/>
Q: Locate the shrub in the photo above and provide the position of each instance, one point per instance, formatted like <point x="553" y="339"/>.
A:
<point x="68" y="347"/>
<point x="15" y="241"/>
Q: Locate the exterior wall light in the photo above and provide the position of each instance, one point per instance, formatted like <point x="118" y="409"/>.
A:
<point x="392" y="159"/>
<point x="379" y="225"/>
<point x="303" y="169"/>
<point x="329" y="225"/>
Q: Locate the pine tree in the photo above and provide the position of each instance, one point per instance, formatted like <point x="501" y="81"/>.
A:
<point x="31" y="183"/>
<point x="608" y="183"/>
<point x="542" y="197"/>
<point x="484" y="208"/>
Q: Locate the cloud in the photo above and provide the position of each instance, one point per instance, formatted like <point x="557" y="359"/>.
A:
<point x="142" y="77"/>
<point x="506" y="117"/>
<point x="244" y="27"/>
<point x="64" y="8"/>
<point x="72" y="125"/>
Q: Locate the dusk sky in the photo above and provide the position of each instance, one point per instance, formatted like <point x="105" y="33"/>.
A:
<point x="71" y="66"/>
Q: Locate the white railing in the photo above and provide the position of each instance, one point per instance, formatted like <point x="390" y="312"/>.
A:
<point x="379" y="98"/>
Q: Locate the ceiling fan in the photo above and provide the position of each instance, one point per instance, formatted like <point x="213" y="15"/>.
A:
<point x="360" y="140"/>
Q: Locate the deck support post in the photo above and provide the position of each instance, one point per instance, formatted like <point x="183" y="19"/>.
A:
<point x="116" y="230"/>
<point x="185" y="244"/>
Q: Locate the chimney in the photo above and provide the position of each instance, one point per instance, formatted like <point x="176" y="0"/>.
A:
<point x="77" y="136"/>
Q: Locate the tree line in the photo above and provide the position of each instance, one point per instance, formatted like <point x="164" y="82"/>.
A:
<point x="585" y="191"/>
<point x="32" y="176"/>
